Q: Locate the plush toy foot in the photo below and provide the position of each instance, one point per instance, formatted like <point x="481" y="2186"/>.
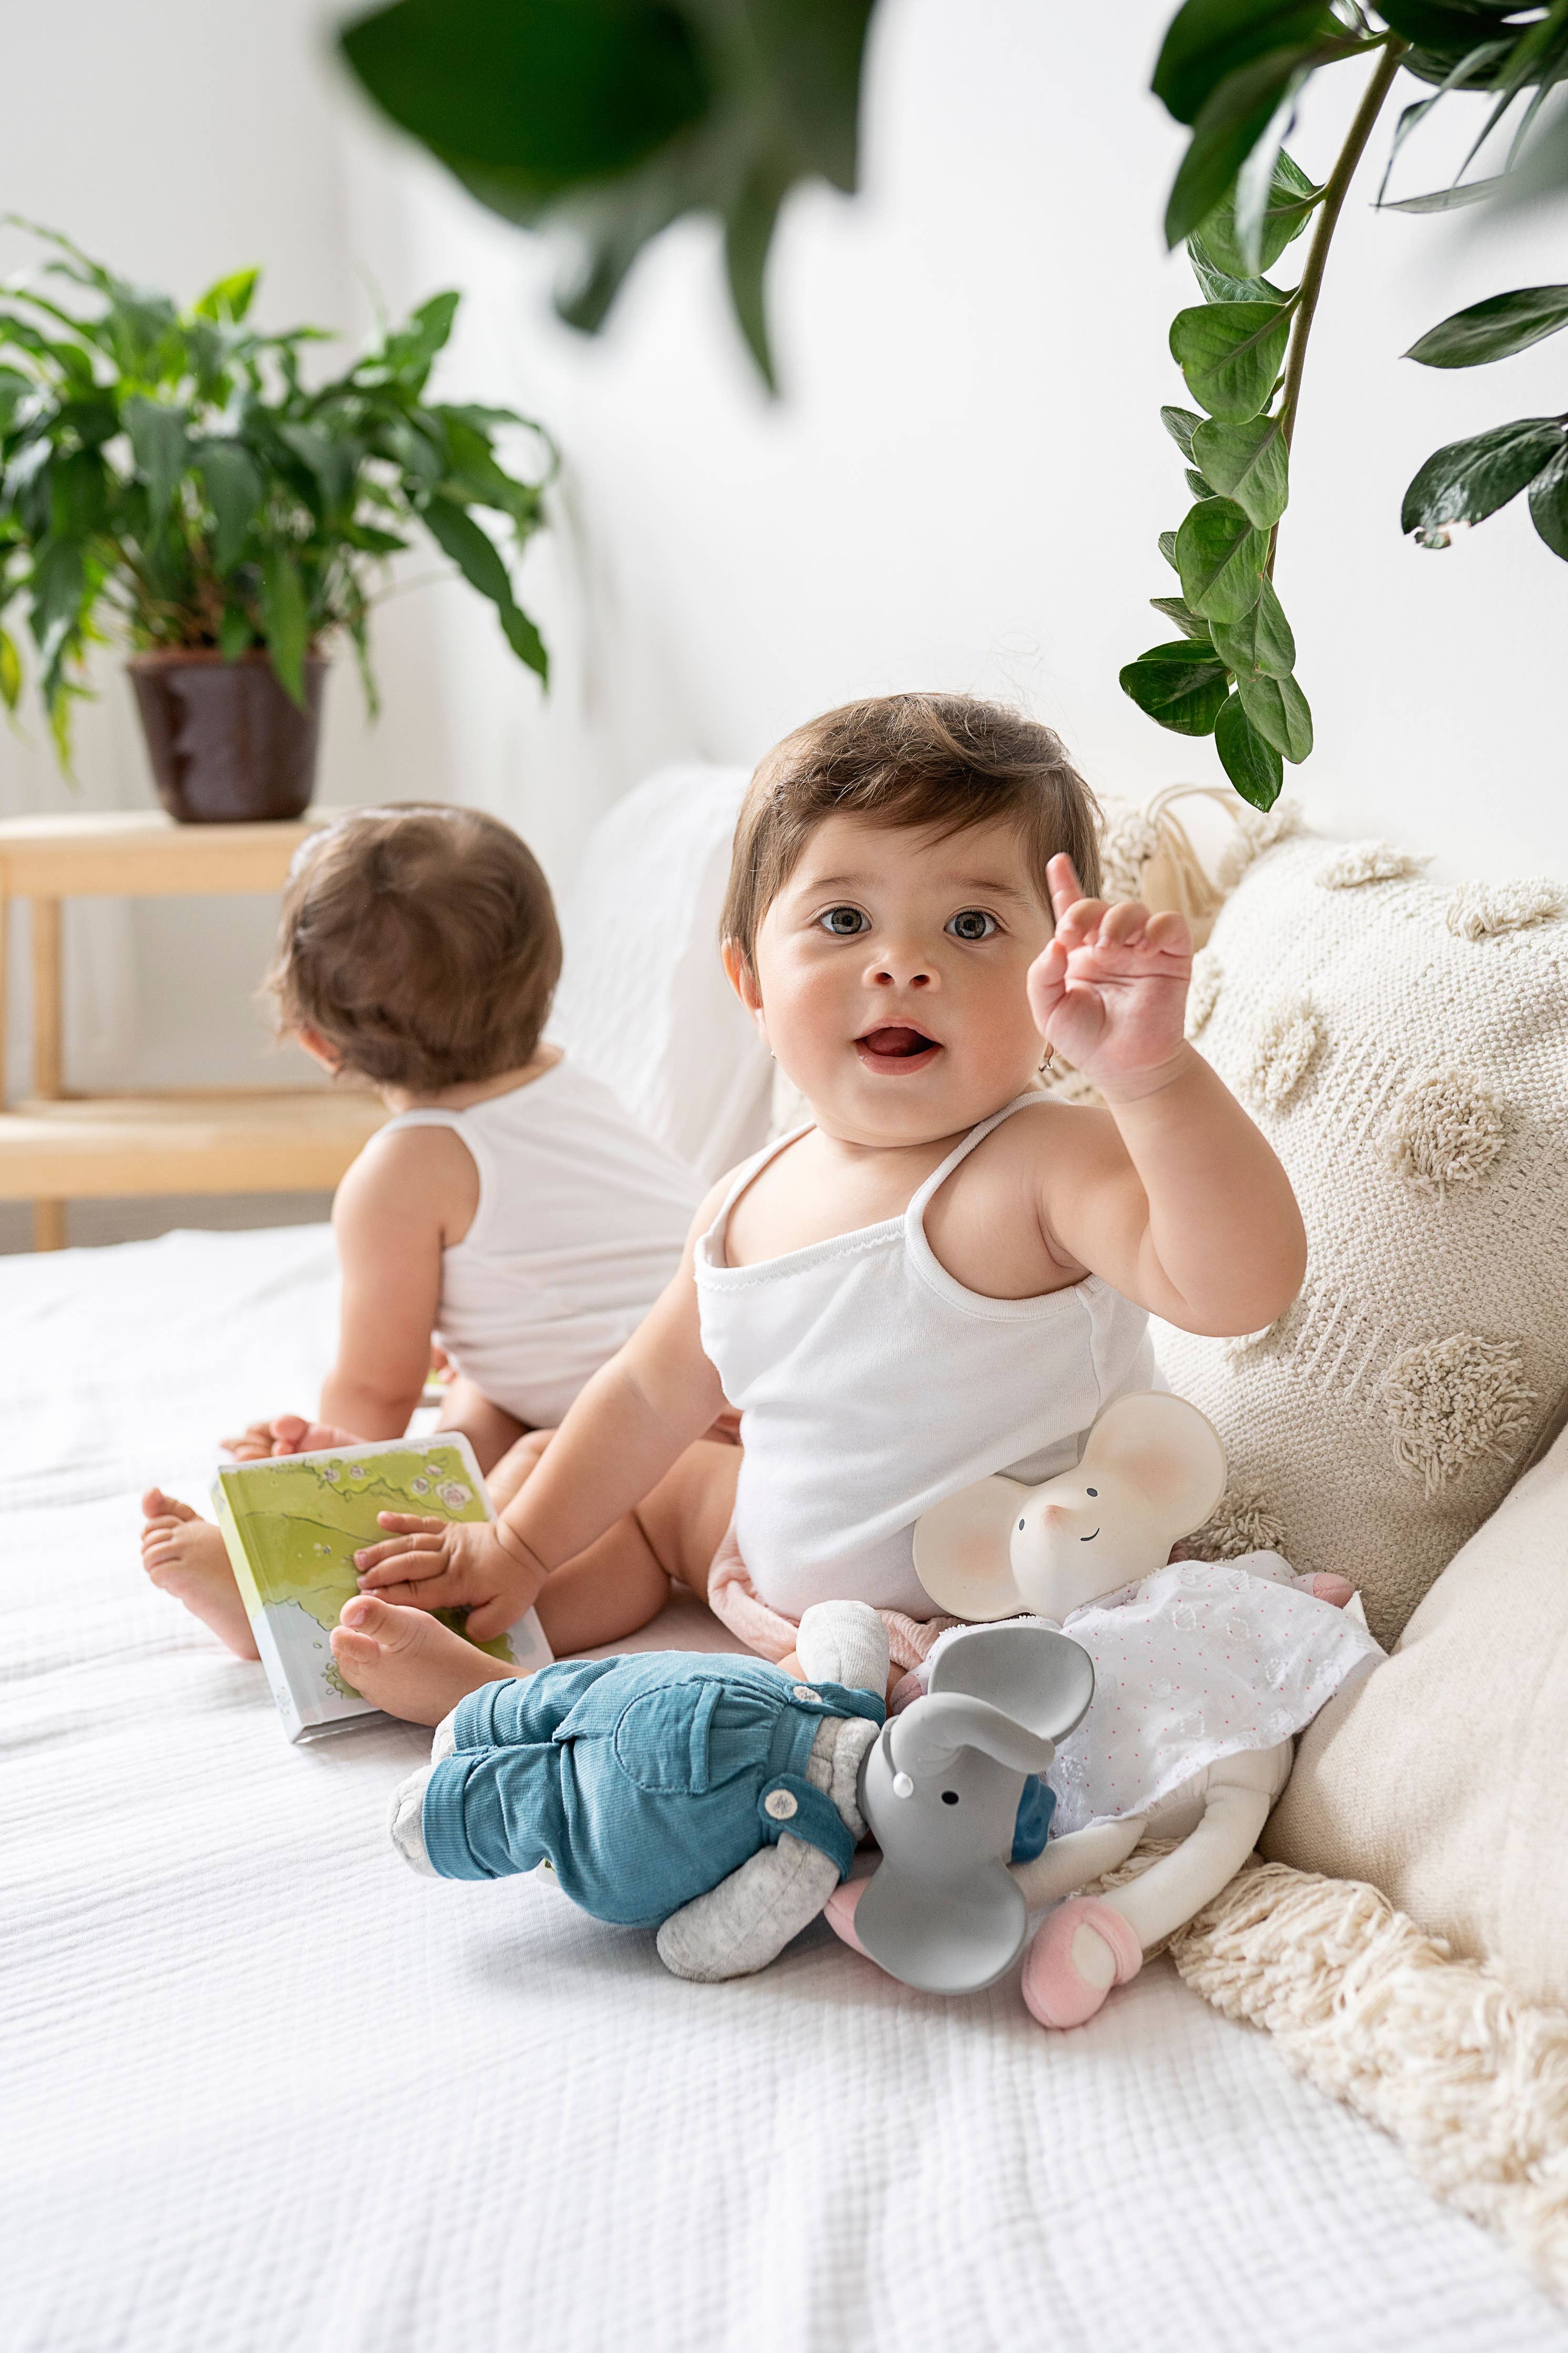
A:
<point x="843" y="1642"/>
<point x="1082" y="1951"/>
<point x="839" y="1911"/>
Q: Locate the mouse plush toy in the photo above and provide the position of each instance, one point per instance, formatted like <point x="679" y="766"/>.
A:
<point x="1204" y="1673"/>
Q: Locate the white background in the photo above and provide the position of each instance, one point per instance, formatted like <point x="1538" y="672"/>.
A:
<point x="962" y="487"/>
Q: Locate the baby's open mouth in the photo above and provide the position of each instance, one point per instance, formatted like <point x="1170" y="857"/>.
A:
<point x="895" y="1048"/>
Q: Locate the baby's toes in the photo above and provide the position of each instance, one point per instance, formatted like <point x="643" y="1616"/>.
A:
<point x="156" y="1505"/>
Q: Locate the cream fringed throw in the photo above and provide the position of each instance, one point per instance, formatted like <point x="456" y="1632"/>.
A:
<point x="1472" y="2081"/>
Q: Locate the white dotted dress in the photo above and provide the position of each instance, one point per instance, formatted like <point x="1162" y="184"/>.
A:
<point x="1200" y="1660"/>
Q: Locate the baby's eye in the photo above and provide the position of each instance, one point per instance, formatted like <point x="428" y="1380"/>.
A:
<point x="971" y="923"/>
<point x="845" y="922"/>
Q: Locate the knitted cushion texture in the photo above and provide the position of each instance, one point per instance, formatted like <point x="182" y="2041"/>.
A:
<point x="1404" y="1046"/>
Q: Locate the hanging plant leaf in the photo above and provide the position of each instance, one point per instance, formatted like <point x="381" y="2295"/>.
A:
<point x="1247" y="463"/>
<point x="1220" y="558"/>
<point x="1495" y="329"/>
<point x="285" y="620"/>
<point x="1292" y="198"/>
<point x="1167" y="546"/>
<point x="1278" y="710"/>
<point x="605" y="120"/>
<point x="1179" y="685"/>
<point x="1464" y="481"/>
<point x="1190" y="625"/>
<point x="1245" y="107"/>
<point x="1196" y="484"/>
<point x="1208" y="40"/>
<point x="1179" y="423"/>
<point x="1253" y="765"/>
<point x="1218" y="285"/>
<point x="1230" y="354"/>
<point x="1549" y="505"/>
<point x="1260" y="645"/>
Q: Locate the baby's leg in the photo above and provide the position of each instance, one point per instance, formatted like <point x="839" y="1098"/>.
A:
<point x="490" y="1429"/>
<point x="185" y="1556"/>
<point x="624" y="1579"/>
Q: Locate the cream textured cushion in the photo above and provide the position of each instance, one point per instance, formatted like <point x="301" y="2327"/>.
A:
<point x="1441" y="1778"/>
<point x="1404" y="1045"/>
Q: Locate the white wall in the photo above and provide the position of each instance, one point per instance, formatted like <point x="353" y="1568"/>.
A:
<point x="963" y="487"/>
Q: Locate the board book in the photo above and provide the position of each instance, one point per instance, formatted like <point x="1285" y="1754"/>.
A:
<point x="292" y="1526"/>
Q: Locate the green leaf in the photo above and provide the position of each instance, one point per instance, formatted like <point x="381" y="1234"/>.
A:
<point x="1230" y="354"/>
<point x="234" y="634"/>
<point x="59" y="584"/>
<point x="1221" y="558"/>
<point x="284" y="620"/>
<point x="1218" y="285"/>
<point x="228" y="299"/>
<point x="1464" y="481"/>
<point x="1292" y="198"/>
<point x="1190" y="625"/>
<point x="1253" y="765"/>
<point x="235" y="490"/>
<point x="410" y="354"/>
<point x="159" y="444"/>
<point x="1260" y="645"/>
<point x="1247" y="463"/>
<point x="1495" y="329"/>
<point x="1196" y="484"/>
<point x="1181" y="424"/>
<point x="1208" y="40"/>
<point x="605" y="120"/>
<point x="1549" y="505"/>
<point x="1179" y="685"/>
<point x="477" y="558"/>
<point x="1278" y="710"/>
<point x="1167" y="545"/>
<point x="10" y="672"/>
<point x="1249" y="105"/>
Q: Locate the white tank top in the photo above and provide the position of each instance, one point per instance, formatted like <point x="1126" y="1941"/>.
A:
<point x="872" y="1385"/>
<point x="581" y="1223"/>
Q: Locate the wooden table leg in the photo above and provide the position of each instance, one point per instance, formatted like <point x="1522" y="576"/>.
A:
<point x="48" y="1057"/>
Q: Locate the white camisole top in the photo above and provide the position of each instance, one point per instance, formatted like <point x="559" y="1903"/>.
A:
<point x="581" y="1223"/>
<point x="872" y="1385"/>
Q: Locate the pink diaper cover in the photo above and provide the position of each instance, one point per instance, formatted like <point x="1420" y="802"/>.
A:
<point x="736" y="1603"/>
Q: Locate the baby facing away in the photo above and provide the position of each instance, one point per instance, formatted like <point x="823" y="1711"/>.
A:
<point x="509" y="1210"/>
<point x="943" y="1275"/>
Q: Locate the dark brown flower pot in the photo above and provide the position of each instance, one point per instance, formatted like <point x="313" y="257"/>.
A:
<point x="226" y="743"/>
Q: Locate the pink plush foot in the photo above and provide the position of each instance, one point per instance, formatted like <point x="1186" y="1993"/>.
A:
<point x="1083" y="1949"/>
<point x="406" y="1661"/>
<point x="186" y="1556"/>
<point x="840" y="1909"/>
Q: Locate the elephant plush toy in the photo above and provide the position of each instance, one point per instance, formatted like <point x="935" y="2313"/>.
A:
<point x="722" y="1801"/>
<point x="1204" y="1673"/>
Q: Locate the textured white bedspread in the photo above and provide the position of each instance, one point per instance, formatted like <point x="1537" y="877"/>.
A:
<point x="265" y="2089"/>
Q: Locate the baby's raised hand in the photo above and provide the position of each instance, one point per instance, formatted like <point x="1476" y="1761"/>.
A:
<point x="430" y="1564"/>
<point x="289" y="1433"/>
<point x="1111" y="990"/>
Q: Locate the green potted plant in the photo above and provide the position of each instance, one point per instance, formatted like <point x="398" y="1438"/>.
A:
<point x="168" y="479"/>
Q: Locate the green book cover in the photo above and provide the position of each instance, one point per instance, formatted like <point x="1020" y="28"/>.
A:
<point x="292" y="1526"/>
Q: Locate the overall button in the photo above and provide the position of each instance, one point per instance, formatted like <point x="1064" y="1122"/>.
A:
<point x="781" y="1805"/>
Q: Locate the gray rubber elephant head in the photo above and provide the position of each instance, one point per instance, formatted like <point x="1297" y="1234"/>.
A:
<point x="940" y="1791"/>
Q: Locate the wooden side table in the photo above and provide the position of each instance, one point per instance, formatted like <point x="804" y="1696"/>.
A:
<point x="57" y="1147"/>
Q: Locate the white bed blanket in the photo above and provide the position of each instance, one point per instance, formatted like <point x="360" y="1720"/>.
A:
<point x="265" y="2089"/>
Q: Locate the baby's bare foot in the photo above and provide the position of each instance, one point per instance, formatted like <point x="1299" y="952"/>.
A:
<point x="406" y="1661"/>
<point x="184" y="1555"/>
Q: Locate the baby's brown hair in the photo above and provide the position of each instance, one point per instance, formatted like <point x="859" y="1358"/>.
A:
<point x="421" y="942"/>
<point x="947" y="761"/>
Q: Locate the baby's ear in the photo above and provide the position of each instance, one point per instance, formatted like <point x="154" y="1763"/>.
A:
<point x="961" y="1550"/>
<point x="1164" y="1449"/>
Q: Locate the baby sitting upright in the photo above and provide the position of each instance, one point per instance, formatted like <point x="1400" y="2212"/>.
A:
<point x="509" y="1210"/>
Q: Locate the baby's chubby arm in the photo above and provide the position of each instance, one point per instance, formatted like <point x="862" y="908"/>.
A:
<point x="1170" y="1194"/>
<point x="632" y="1421"/>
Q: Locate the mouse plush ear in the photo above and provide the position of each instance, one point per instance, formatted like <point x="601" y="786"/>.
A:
<point x="962" y="1549"/>
<point x="1166" y="1450"/>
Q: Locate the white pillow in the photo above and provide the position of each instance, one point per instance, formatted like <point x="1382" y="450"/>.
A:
<point x="644" y="1004"/>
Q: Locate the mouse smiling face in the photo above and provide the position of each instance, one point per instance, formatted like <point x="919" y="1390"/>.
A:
<point x="1076" y="1539"/>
